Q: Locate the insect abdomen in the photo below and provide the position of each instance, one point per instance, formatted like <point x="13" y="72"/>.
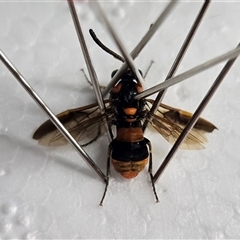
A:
<point x="129" y="152"/>
<point x="129" y="169"/>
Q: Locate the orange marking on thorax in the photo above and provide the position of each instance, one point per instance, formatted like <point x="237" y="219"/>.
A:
<point x="130" y="111"/>
<point x="130" y="134"/>
<point x="139" y="88"/>
<point x="117" y="88"/>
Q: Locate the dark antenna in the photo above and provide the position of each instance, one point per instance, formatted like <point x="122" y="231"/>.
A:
<point x="101" y="45"/>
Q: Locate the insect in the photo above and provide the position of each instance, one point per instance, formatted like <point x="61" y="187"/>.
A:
<point x="129" y="151"/>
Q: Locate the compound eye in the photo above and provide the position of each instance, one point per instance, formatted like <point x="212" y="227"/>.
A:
<point x="113" y="73"/>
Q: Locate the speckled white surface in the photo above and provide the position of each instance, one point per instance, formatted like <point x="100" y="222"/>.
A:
<point x="51" y="192"/>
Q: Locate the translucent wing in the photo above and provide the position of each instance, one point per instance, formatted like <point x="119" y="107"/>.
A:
<point x="170" y="122"/>
<point x="85" y="124"/>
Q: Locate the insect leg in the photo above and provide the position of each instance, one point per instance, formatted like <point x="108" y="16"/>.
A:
<point x="87" y="79"/>
<point x="186" y="75"/>
<point x="107" y="175"/>
<point x="150" y="65"/>
<point x="150" y="169"/>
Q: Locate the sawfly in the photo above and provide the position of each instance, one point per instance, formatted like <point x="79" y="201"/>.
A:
<point x="129" y="151"/>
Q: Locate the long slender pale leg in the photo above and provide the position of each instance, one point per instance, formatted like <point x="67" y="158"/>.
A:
<point x="149" y="67"/>
<point x="193" y="71"/>
<point x="150" y="169"/>
<point x="87" y="79"/>
<point x="107" y="175"/>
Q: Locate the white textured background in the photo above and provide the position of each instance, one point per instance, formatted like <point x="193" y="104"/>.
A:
<point x="51" y="192"/>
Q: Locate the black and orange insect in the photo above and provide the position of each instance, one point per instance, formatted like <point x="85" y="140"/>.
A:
<point x="129" y="151"/>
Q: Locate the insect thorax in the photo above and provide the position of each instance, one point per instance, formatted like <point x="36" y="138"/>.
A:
<point x="127" y="109"/>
